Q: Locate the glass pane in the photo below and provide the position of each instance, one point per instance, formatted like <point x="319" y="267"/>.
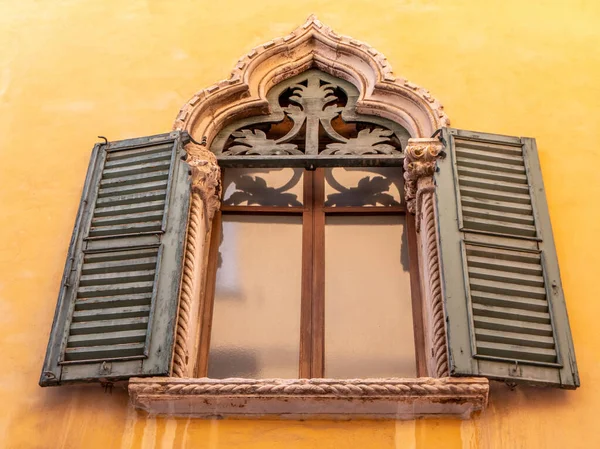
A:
<point x="263" y="187"/>
<point x="256" y="318"/>
<point x="368" y="312"/>
<point x="357" y="186"/>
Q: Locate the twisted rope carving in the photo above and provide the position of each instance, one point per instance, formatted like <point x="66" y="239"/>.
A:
<point x="311" y="387"/>
<point x="180" y="354"/>
<point x="438" y="337"/>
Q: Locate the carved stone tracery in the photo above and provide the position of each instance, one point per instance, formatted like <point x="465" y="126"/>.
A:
<point x="312" y="113"/>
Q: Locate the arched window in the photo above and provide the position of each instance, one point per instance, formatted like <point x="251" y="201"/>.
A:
<point x="310" y="267"/>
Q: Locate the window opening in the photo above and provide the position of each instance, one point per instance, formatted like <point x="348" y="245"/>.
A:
<point x="305" y="289"/>
<point x="292" y="278"/>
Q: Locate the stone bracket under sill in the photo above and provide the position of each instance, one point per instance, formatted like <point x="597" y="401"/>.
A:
<point x="392" y="398"/>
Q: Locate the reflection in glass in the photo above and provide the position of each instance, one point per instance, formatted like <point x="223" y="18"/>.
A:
<point x="357" y="186"/>
<point x="256" y="318"/>
<point x="263" y="187"/>
<point x="368" y="310"/>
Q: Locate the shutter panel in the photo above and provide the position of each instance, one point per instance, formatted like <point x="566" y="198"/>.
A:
<point x="117" y="305"/>
<point x="506" y="313"/>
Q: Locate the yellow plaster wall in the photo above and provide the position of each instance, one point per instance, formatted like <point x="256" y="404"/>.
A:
<point x="73" y="69"/>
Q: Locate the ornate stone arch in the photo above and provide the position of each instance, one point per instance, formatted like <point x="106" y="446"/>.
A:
<point x="243" y="95"/>
<point x="312" y="45"/>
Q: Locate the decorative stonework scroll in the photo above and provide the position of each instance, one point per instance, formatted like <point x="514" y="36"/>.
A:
<point x="206" y="179"/>
<point x="419" y="167"/>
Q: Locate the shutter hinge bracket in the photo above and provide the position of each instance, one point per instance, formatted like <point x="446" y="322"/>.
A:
<point x="49" y="375"/>
<point x="106" y="368"/>
<point x="515" y="371"/>
<point x="438" y="134"/>
<point x="187" y="138"/>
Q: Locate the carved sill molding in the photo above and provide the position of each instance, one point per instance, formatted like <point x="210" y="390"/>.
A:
<point x="392" y="398"/>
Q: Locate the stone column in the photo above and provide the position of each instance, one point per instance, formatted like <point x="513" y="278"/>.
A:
<point x="205" y="201"/>
<point x="419" y="167"/>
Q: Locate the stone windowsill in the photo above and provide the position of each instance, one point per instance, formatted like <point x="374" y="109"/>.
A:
<point x="310" y="398"/>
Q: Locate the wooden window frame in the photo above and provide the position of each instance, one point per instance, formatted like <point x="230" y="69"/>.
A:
<point x="312" y="315"/>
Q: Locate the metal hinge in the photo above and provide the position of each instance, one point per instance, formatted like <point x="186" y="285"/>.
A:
<point x="187" y="138"/>
<point x="438" y="134"/>
<point x="516" y="371"/>
<point x="106" y="368"/>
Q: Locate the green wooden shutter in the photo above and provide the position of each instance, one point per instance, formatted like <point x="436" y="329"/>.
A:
<point x="117" y="303"/>
<point x="506" y="313"/>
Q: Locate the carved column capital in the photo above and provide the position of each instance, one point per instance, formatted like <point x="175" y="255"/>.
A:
<point x="419" y="165"/>
<point x="206" y="178"/>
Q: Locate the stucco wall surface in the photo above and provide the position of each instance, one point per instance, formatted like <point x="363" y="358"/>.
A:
<point x="74" y="69"/>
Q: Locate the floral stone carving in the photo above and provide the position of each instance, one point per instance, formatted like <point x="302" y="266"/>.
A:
<point x="311" y="114"/>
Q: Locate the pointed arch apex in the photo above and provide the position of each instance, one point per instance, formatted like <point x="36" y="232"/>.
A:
<point x="312" y="45"/>
<point x="312" y="20"/>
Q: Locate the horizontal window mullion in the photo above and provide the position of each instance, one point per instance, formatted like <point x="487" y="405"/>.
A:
<point x="263" y="209"/>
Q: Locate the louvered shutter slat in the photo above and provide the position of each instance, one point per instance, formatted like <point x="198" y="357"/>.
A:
<point x="506" y="312"/>
<point x="134" y="179"/>
<point x="104" y="352"/>
<point x="125" y="265"/>
<point x="490" y="174"/>
<point x="136" y="169"/>
<point x="144" y="157"/>
<point x="111" y="325"/>
<point x="118" y="211"/>
<point x="107" y="338"/>
<point x="132" y="188"/>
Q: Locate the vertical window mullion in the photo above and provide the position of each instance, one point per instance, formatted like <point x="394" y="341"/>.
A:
<point x="208" y="298"/>
<point x="306" y="341"/>
<point x="415" y="289"/>
<point x="318" y="275"/>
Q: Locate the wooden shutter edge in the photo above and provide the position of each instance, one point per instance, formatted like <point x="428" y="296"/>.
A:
<point x="557" y="305"/>
<point x="452" y="276"/>
<point x="176" y="215"/>
<point x="48" y="377"/>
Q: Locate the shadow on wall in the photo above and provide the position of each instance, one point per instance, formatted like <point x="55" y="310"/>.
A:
<point x="504" y="398"/>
